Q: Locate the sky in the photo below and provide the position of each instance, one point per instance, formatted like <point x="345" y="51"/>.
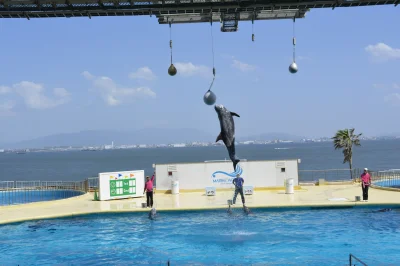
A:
<point x="68" y="75"/>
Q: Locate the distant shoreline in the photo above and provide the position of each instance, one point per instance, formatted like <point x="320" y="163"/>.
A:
<point x="160" y="146"/>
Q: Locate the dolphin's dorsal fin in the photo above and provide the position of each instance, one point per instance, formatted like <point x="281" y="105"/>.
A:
<point x="219" y="137"/>
<point x="235" y="114"/>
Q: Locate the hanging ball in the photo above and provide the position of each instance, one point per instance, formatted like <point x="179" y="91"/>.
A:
<point x="172" y="70"/>
<point x="209" y="98"/>
<point x="293" y="68"/>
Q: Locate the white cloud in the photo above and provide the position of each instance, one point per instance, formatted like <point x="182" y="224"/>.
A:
<point x="87" y="75"/>
<point x="6" y="108"/>
<point x="396" y="86"/>
<point x="383" y="52"/>
<point x="143" y="73"/>
<point x="114" y="94"/>
<point x="33" y="95"/>
<point x="244" y="67"/>
<point x="189" y="69"/>
<point x="5" y="89"/>
<point x="393" y="98"/>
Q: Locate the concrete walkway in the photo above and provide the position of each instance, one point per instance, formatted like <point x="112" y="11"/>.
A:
<point x="308" y="196"/>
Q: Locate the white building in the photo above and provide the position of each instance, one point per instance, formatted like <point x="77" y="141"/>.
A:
<point x="219" y="174"/>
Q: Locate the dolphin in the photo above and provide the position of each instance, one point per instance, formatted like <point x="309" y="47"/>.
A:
<point x="152" y="214"/>
<point x="246" y="210"/>
<point x="227" y="134"/>
<point x="229" y="210"/>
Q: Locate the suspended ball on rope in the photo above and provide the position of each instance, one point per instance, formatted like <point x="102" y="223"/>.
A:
<point x="172" y="70"/>
<point x="293" y="68"/>
<point x="209" y="98"/>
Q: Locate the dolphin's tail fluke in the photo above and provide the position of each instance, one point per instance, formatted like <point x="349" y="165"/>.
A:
<point x="235" y="162"/>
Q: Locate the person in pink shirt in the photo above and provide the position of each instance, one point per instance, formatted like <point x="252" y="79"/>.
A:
<point x="148" y="188"/>
<point x="365" y="183"/>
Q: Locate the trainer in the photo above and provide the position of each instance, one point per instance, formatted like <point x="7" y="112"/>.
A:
<point x="238" y="182"/>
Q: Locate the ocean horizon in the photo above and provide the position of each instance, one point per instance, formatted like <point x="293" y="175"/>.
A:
<point x="79" y="165"/>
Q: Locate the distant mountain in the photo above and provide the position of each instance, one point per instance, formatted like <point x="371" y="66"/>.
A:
<point x="272" y="136"/>
<point x="101" y="137"/>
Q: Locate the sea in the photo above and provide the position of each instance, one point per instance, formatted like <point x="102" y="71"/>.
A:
<point x="376" y="155"/>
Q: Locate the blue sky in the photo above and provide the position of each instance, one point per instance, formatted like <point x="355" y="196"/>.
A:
<point x="68" y="75"/>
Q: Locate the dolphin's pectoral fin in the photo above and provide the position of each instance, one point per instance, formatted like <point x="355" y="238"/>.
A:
<point x="219" y="137"/>
<point x="235" y="114"/>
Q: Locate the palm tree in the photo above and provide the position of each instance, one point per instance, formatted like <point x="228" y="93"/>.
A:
<point x="345" y="139"/>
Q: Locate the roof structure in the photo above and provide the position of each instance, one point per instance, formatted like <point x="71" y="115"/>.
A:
<point x="228" y="12"/>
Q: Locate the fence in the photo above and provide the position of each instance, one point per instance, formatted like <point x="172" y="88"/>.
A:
<point x="388" y="178"/>
<point x="93" y="184"/>
<point x="20" y="192"/>
<point x="328" y="175"/>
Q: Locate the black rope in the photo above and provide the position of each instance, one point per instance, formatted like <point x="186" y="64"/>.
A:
<point x="170" y="40"/>
<point x="212" y="49"/>
<point x="294" y="40"/>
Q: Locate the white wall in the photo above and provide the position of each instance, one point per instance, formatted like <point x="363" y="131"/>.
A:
<point x="199" y="175"/>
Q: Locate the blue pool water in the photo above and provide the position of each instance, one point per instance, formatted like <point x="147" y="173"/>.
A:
<point x="27" y="196"/>
<point x="266" y="237"/>
<point x="394" y="183"/>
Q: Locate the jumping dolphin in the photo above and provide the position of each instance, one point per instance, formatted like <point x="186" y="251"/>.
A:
<point x="152" y="214"/>
<point x="227" y="134"/>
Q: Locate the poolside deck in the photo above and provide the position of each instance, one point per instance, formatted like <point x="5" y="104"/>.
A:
<point x="307" y="196"/>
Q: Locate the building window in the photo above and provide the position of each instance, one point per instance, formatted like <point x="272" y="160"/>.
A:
<point x="283" y="170"/>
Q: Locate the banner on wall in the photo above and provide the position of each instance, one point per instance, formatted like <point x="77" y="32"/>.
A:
<point x="226" y="178"/>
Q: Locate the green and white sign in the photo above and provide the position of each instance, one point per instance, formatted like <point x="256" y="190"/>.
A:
<point x="120" y="185"/>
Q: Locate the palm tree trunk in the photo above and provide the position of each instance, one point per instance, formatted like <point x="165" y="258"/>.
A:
<point x="351" y="169"/>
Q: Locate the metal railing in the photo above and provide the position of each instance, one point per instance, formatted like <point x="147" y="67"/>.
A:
<point x="328" y="175"/>
<point x="93" y="184"/>
<point x="388" y="178"/>
<point x="20" y="192"/>
<point x="351" y="263"/>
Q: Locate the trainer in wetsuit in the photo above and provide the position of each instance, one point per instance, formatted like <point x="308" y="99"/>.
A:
<point x="238" y="182"/>
<point x="148" y="188"/>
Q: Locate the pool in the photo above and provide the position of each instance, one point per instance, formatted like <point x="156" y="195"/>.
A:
<point x="394" y="183"/>
<point x="266" y="237"/>
<point x="27" y="196"/>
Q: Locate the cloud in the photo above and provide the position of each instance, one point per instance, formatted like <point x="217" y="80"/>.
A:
<point x="379" y="86"/>
<point x="393" y="98"/>
<point x="4" y="90"/>
<point x="143" y="73"/>
<point x="244" y="67"/>
<point x="6" y="108"/>
<point x="386" y="87"/>
<point x="87" y="75"/>
<point x="114" y="94"/>
<point x="188" y="69"/>
<point x="33" y="95"/>
<point x="383" y="52"/>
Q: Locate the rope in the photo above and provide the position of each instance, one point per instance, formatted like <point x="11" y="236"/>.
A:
<point x="252" y="28"/>
<point x="170" y="39"/>
<point x="212" y="50"/>
<point x="212" y="46"/>
<point x="294" y="40"/>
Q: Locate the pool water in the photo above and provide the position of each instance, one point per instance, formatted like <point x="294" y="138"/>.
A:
<point x="265" y="237"/>
<point x="28" y="196"/>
